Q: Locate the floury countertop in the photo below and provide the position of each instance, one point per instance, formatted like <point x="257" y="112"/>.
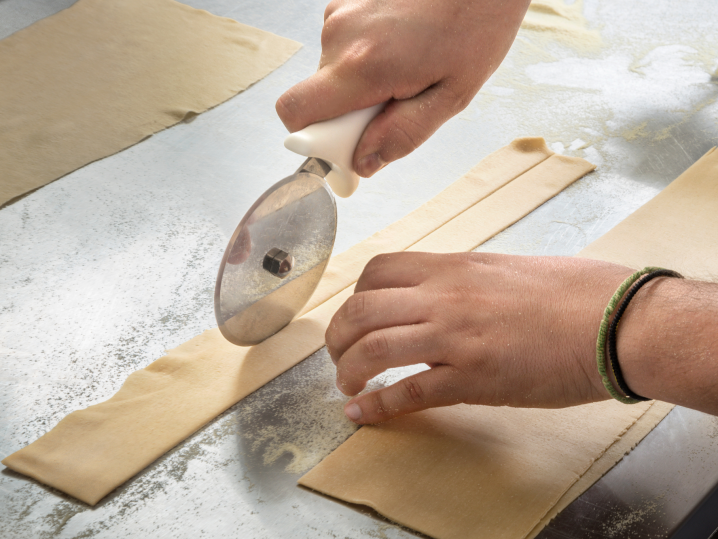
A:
<point x="103" y="270"/>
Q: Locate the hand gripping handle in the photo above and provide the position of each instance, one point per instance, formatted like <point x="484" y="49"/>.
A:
<point x="334" y="141"/>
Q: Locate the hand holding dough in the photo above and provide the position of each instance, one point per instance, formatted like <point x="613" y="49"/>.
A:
<point x="498" y="330"/>
<point x="505" y="330"/>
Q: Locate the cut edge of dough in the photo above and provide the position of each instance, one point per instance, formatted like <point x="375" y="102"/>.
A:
<point x="610" y="458"/>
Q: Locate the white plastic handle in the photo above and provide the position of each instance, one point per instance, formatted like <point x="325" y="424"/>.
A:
<point x="334" y="141"/>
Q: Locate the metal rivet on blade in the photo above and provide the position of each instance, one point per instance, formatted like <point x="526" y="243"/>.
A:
<point x="278" y="262"/>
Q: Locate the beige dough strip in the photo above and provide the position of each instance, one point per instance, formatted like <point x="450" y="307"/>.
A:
<point x="100" y="76"/>
<point x="490" y="174"/>
<point x="519" y="198"/>
<point x="461" y="472"/>
<point x="90" y="452"/>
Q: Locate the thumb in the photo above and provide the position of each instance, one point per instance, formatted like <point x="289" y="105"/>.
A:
<point x="328" y="93"/>
<point x="440" y="386"/>
<point x="405" y="125"/>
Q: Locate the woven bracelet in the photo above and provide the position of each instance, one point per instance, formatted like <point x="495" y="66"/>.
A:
<point x="603" y="334"/>
<point x="613" y="327"/>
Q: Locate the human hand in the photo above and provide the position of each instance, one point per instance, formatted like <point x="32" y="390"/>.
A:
<point x="495" y="329"/>
<point x="427" y="58"/>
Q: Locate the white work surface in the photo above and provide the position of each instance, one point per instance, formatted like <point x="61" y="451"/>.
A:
<point x="103" y="270"/>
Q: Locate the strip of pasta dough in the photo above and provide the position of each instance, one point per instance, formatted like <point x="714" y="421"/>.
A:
<point x="490" y="174"/>
<point x="103" y="75"/>
<point x="90" y="452"/>
<point x="503" y="472"/>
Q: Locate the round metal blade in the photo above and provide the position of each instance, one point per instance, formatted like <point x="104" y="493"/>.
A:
<point x="292" y="225"/>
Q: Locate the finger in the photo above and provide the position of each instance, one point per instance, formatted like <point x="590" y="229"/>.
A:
<point x="369" y="311"/>
<point x="331" y="8"/>
<point x="328" y="93"/>
<point x="384" y="349"/>
<point x="406" y="124"/>
<point x="441" y="386"/>
<point x="395" y="270"/>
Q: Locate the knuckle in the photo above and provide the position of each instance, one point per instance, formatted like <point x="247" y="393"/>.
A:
<point x="376" y="263"/>
<point x="357" y="58"/>
<point x="412" y="392"/>
<point x="331" y="340"/>
<point x="436" y="335"/>
<point x="346" y="378"/>
<point x="329" y="31"/>
<point x="356" y="306"/>
<point x="326" y="35"/>
<point x="372" y="271"/>
<point x="463" y="101"/>
<point x="409" y="134"/>
<point x="468" y="258"/>
<point x="353" y="374"/>
<point x="375" y="346"/>
<point x="364" y="60"/>
<point x="334" y="8"/>
<point x="330" y="9"/>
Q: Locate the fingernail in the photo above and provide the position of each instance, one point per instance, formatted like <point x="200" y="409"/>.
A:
<point x="353" y="412"/>
<point x="369" y="164"/>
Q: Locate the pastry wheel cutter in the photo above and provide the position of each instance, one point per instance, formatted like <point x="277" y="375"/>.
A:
<point x="278" y="253"/>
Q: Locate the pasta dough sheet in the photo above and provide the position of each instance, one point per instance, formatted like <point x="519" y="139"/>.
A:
<point x="676" y="230"/>
<point x="471" y="471"/>
<point x="608" y="460"/>
<point x="103" y="75"/>
<point x="92" y="451"/>
<point x="504" y="472"/>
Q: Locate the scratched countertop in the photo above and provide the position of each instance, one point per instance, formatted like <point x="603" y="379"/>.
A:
<point x="103" y="270"/>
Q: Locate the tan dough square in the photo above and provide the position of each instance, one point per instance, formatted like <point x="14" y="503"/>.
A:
<point x="103" y="75"/>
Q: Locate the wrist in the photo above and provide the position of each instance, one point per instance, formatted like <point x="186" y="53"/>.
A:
<point x="663" y="341"/>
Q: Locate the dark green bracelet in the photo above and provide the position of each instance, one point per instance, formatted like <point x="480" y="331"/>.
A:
<point x="603" y="332"/>
<point x="611" y="339"/>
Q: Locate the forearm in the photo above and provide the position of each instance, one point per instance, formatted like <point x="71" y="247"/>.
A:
<point x="668" y="343"/>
